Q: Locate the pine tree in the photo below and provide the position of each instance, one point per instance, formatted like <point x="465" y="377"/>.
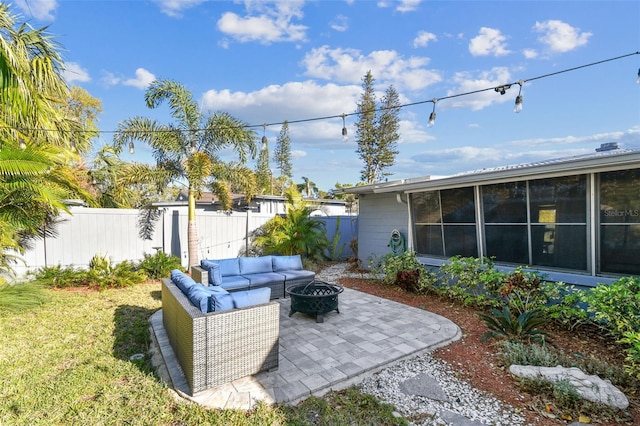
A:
<point x="387" y="128"/>
<point x="282" y="153"/>
<point x="263" y="171"/>
<point x="366" y="129"/>
<point x="377" y="131"/>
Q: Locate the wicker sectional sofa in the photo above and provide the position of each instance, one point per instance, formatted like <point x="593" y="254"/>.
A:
<point x="243" y="273"/>
<point x="215" y="348"/>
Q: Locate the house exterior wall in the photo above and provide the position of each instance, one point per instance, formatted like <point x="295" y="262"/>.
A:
<point x="379" y="215"/>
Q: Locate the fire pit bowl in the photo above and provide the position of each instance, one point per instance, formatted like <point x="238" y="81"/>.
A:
<point x="317" y="297"/>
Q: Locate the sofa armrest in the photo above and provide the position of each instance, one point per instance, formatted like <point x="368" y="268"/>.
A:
<point x="200" y="275"/>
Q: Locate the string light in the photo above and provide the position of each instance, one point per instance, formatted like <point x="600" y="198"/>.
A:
<point x="132" y="149"/>
<point x="264" y="136"/>
<point x="432" y="116"/>
<point x="518" y="106"/>
<point x="499" y="89"/>
<point x="345" y="137"/>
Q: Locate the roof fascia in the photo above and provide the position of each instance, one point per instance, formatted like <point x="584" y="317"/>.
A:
<point x="564" y="168"/>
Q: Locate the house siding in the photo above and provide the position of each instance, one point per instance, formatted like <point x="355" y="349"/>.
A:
<point x="379" y="215"/>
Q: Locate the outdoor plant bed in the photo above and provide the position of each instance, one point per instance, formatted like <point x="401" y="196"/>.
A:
<point x="479" y="363"/>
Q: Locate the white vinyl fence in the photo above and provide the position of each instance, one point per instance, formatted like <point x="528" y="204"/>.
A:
<point x="115" y="233"/>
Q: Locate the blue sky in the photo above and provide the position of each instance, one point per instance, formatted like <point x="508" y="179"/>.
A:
<point x="266" y="62"/>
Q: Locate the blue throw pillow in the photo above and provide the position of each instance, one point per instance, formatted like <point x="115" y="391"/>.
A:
<point x="255" y="265"/>
<point x="221" y="302"/>
<point x="244" y="299"/>
<point x="287" y="263"/>
<point x="215" y="273"/>
<point x="200" y="298"/>
<point x="182" y="280"/>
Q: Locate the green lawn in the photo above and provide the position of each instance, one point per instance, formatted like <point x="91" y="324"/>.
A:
<point x="67" y="362"/>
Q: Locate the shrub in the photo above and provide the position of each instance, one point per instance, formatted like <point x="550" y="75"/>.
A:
<point x="159" y="265"/>
<point x="58" y="277"/>
<point x="526" y="327"/>
<point x="616" y="306"/>
<point x="632" y="358"/>
<point x="407" y="272"/>
<point x="525" y="354"/>
<point x="526" y="290"/>
<point x="102" y="274"/>
<point x="473" y="281"/>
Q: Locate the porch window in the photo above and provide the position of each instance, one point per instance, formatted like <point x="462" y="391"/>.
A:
<point x="620" y="222"/>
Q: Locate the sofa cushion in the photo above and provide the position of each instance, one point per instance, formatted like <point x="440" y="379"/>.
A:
<point x="215" y="271"/>
<point x="228" y="267"/>
<point x="246" y="298"/>
<point x="200" y="298"/>
<point x="235" y="282"/>
<point x="221" y="302"/>
<point x="294" y="275"/>
<point x="264" y="278"/>
<point x="219" y="298"/>
<point x="182" y="280"/>
<point x="255" y="265"/>
<point x="286" y="263"/>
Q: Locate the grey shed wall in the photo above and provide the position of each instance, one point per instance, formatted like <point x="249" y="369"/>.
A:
<point x="380" y="214"/>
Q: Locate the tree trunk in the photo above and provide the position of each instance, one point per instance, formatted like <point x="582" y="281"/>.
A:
<point x="192" y="231"/>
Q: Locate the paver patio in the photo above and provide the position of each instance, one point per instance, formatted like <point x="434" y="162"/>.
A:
<point x="368" y="334"/>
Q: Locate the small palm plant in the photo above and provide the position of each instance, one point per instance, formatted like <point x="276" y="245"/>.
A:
<point x="294" y="233"/>
<point x="527" y="326"/>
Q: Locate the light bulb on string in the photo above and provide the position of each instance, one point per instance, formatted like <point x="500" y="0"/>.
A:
<point x="345" y="136"/>
<point x="132" y="149"/>
<point x="432" y="116"/>
<point x="638" y="80"/>
<point x="265" y="141"/>
<point x="518" y="106"/>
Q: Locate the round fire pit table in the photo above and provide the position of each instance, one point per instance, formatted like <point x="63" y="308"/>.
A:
<point x="317" y="297"/>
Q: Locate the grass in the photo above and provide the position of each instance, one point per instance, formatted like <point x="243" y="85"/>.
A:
<point x="67" y="361"/>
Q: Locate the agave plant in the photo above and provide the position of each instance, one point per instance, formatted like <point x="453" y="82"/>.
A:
<point x="525" y="327"/>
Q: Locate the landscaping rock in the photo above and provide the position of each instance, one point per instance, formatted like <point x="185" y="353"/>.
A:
<point x="591" y="388"/>
<point x="424" y="385"/>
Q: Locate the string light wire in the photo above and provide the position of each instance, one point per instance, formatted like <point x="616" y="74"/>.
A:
<point x="499" y="88"/>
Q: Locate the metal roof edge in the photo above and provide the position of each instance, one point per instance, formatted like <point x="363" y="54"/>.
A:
<point x="604" y="161"/>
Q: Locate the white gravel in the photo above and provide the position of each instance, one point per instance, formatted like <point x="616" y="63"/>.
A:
<point x="463" y="398"/>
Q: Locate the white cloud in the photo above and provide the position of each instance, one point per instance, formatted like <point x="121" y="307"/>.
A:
<point x="594" y="140"/>
<point x="74" y="72"/>
<point x="388" y="66"/>
<point x="297" y="153"/>
<point x="408" y="5"/>
<point x="41" y="10"/>
<point x="340" y="23"/>
<point x="142" y="79"/>
<point x="423" y="38"/>
<point x="560" y="37"/>
<point x="465" y="83"/>
<point x="530" y="53"/>
<point x="490" y="41"/>
<point x="271" y="23"/>
<point x="174" y="8"/>
<point x="402" y="6"/>
<point x="291" y="101"/>
<point x="110" y="79"/>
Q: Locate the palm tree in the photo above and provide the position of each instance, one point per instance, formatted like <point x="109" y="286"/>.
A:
<point x="35" y="165"/>
<point x="295" y="233"/>
<point x="308" y="187"/>
<point x="188" y="150"/>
